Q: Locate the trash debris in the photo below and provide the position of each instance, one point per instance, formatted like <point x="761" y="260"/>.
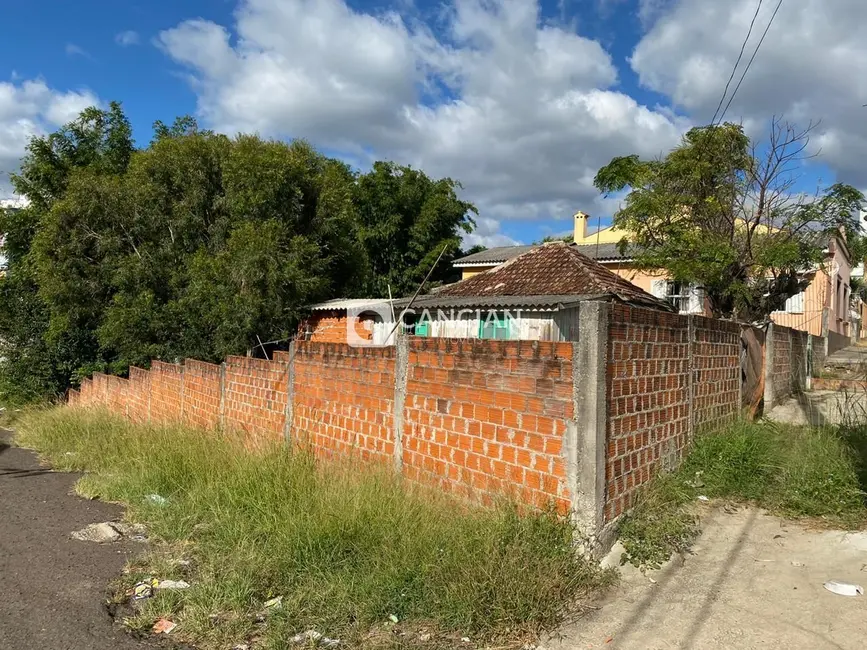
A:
<point x="798" y="564"/>
<point x="99" y="533"/>
<point x="156" y="499"/>
<point x="465" y="639"/>
<point x="844" y="588"/>
<point x="424" y="637"/>
<point x="702" y="497"/>
<point x="173" y="584"/>
<point x="696" y="482"/>
<point x="393" y="618"/>
<point x="316" y="638"/>
<point x="142" y="590"/>
<point x="241" y="646"/>
<point x="274" y="603"/>
<point x="163" y="626"/>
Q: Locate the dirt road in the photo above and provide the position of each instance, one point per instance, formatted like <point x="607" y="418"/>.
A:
<point x="52" y="587"/>
<point x="755" y="581"/>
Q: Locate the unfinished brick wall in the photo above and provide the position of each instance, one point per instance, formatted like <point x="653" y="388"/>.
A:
<point x="716" y="353"/>
<point x="648" y="399"/>
<point x="781" y="363"/>
<point x="343" y="399"/>
<point x="488" y="417"/>
<point x="331" y="326"/>
<point x="166" y="391"/>
<point x="255" y="398"/>
<point x="139" y="395"/>
<point x="202" y="394"/>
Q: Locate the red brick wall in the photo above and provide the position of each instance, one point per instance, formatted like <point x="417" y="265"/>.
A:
<point x="201" y="394"/>
<point x="166" y="391"/>
<point x="716" y="353"/>
<point x="255" y="398"/>
<point x="343" y="399"/>
<point x="139" y="394"/>
<point x="648" y="399"/>
<point x="330" y="327"/>
<point x="488" y="417"/>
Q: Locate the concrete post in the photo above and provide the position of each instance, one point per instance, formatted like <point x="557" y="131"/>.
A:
<point x="183" y="389"/>
<point x="401" y="365"/>
<point x="290" y="394"/>
<point x="808" y="364"/>
<point x="223" y="395"/>
<point x="690" y="364"/>
<point x="586" y="434"/>
<point x="769" y="367"/>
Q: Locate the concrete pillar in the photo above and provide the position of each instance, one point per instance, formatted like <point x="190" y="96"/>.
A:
<point x="586" y="434"/>
<point x="290" y="394"/>
<point x="690" y="364"/>
<point x="401" y="364"/>
<point x="223" y="395"/>
<point x="769" y="367"/>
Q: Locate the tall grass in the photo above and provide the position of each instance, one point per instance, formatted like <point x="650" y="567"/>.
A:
<point x="792" y="471"/>
<point x="348" y="547"/>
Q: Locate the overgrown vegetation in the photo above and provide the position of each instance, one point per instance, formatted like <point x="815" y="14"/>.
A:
<point x="792" y="471"/>
<point x="723" y="212"/>
<point x="346" y="547"/>
<point x="198" y="245"/>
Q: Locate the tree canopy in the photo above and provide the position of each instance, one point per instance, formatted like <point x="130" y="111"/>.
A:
<point x="198" y="245"/>
<point x="725" y="214"/>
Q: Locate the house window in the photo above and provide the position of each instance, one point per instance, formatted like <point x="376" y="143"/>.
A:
<point x="495" y="326"/>
<point x="795" y="304"/>
<point x="687" y="298"/>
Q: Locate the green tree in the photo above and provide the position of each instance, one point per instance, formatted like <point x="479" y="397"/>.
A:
<point x="723" y="213"/>
<point x="406" y="220"/>
<point x="41" y="345"/>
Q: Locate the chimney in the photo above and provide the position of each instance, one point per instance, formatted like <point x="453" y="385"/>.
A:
<point x="581" y="219"/>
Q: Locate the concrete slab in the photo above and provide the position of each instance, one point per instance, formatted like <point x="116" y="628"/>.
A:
<point x="822" y="407"/>
<point x="755" y="581"/>
<point x="854" y="355"/>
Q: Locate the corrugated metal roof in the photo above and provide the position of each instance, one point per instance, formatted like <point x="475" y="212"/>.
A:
<point x="492" y="255"/>
<point x="346" y="303"/>
<point x="554" y="269"/>
<point x="603" y="252"/>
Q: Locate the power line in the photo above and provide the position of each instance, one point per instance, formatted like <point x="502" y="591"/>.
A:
<point x="737" y="63"/>
<point x="752" y="58"/>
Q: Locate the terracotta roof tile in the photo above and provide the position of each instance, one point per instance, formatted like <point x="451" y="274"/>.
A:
<point x="552" y="269"/>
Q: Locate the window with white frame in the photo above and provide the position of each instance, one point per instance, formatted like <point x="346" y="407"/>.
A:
<point x="687" y="298"/>
<point x="795" y="304"/>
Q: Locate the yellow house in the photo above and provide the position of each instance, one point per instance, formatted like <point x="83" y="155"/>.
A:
<point x="822" y="309"/>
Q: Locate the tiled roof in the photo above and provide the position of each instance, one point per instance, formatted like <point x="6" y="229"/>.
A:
<point x="552" y="269"/>
<point x="493" y="255"/>
<point x="603" y="252"/>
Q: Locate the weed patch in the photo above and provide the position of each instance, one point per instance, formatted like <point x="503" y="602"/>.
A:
<point x="793" y="471"/>
<point x="349" y="548"/>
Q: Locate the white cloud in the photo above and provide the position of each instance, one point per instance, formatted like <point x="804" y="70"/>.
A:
<point x="810" y="66"/>
<point x="32" y="108"/>
<point x="76" y="50"/>
<point x="521" y="112"/>
<point x="127" y="38"/>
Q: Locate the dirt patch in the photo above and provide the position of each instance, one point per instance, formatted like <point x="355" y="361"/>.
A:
<point x="54" y="587"/>
<point x="753" y="581"/>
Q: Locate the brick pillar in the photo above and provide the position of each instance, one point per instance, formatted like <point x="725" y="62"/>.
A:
<point x="222" y="416"/>
<point x="585" y="444"/>
<point x="691" y="376"/>
<point x="401" y="364"/>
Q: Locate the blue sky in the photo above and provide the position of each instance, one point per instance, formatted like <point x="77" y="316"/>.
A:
<point x="519" y="101"/>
